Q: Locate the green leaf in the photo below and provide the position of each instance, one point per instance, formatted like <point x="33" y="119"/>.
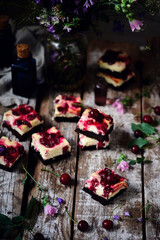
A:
<point x="29" y="209"/>
<point x="4" y="219"/>
<point x="132" y="162"/>
<point x="139" y="141"/>
<point x="148" y="129"/>
<point x="144" y="127"/>
<point x="139" y="160"/>
<point x="147" y="208"/>
<point x="159" y="122"/>
<point x="18" y="219"/>
<point x="122" y="157"/>
<point x="18" y="237"/>
<point x="147" y="161"/>
<point x="135" y="127"/>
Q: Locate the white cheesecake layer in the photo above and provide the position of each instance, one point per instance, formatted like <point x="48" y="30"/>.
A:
<point x="85" y="141"/>
<point x="47" y="152"/>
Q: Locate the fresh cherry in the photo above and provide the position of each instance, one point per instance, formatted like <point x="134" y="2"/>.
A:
<point x="38" y="236"/>
<point x="107" y="224"/>
<point x="65" y="179"/>
<point x="135" y="149"/>
<point x="147" y="119"/>
<point x="138" y="133"/>
<point x="157" y="110"/>
<point x="82" y="225"/>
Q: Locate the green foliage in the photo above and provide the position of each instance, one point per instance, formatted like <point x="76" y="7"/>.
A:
<point x="138" y="141"/>
<point x="146" y="128"/>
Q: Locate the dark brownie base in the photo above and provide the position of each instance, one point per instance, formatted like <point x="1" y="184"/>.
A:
<point x="51" y="160"/>
<point x="10" y="169"/>
<point x="93" y="148"/>
<point x="101" y="199"/>
<point x="99" y="137"/>
<point x="26" y="135"/>
<point x="65" y="119"/>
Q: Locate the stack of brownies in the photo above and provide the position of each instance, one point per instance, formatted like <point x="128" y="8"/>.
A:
<point x="94" y="127"/>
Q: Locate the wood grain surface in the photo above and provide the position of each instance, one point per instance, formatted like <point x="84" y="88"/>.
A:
<point x="143" y="180"/>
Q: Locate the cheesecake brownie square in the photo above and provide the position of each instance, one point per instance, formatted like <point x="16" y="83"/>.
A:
<point x="114" y="68"/>
<point x="104" y="184"/>
<point x="50" y="144"/>
<point x="22" y="120"/>
<point x="91" y="143"/>
<point x="95" y="124"/>
<point x="67" y="108"/>
<point x="10" y="153"/>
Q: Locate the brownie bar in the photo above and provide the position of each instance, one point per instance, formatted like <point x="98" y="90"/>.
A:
<point x="51" y="160"/>
<point x="99" y="137"/>
<point x="94" y="148"/>
<point x="101" y="200"/>
<point x="121" y="75"/>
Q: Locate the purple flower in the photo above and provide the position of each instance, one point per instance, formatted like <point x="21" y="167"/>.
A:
<point x="60" y="200"/>
<point x="116" y="217"/>
<point x="2" y="150"/>
<point x="86" y="6"/>
<point x="127" y="214"/>
<point x="135" y="24"/>
<point x="123" y="166"/>
<point x="106" y="239"/>
<point x="50" y="210"/>
<point x="51" y="29"/>
<point x="119" y="106"/>
<point x="140" y="219"/>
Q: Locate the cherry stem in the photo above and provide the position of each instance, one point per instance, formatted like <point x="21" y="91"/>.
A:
<point x="38" y="185"/>
<point x="47" y="170"/>
<point x="81" y="105"/>
<point x="70" y="216"/>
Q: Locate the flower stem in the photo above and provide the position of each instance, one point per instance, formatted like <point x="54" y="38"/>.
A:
<point x="114" y="209"/>
<point x="47" y="170"/>
<point x="38" y="185"/>
<point x="70" y="216"/>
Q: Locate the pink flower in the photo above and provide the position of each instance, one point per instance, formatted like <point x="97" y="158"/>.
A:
<point x="50" y="210"/>
<point x="119" y="106"/>
<point x="136" y="24"/>
<point x="123" y="166"/>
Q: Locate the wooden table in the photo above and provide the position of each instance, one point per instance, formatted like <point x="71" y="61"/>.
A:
<point x="144" y="179"/>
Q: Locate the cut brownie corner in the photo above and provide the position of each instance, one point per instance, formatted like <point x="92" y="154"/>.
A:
<point x="104" y="185"/>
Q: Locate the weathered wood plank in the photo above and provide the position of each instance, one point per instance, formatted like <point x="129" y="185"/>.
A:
<point x="152" y="170"/>
<point x="58" y="227"/>
<point x="11" y="190"/>
<point x="89" y="161"/>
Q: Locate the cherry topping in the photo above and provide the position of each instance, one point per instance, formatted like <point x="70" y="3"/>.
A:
<point x="38" y="236"/>
<point x="16" y="112"/>
<point x="65" y="149"/>
<point x="19" y="122"/>
<point x="147" y="119"/>
<point x="138" y="133"/>
<point x="11" y="150"/>
<point x="20" y="150"/>
<point x="157" y="110"/>
<point x="82" y="225"/>
<point x="63" y="109"/>
<point x="135" y="149"/>
<point x="107" y="224"/>
<point x="31" y="117"/>
<point x="65" y="179"/>
<point x="95" y="114"/>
